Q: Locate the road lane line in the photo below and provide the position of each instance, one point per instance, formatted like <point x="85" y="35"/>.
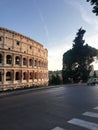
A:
<point x="58" y="128"/>
<point x="91" y="114"/>
<point x="83" y="123"/>
<point x="96" y="108"/>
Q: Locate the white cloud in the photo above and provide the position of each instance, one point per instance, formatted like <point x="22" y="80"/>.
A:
<point x="42" y="20"/>
<point x="56" y="53"/>
<point x="89" y="18"/>
<point x="92" y="39"/>
<point x="44" y="23"/>
<point x="85" y="12"/>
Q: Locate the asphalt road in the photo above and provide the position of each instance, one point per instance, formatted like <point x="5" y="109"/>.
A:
<point x="60" y="108"/>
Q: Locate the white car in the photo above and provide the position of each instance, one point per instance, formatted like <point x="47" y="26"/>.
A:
<point x="92" y="81"/>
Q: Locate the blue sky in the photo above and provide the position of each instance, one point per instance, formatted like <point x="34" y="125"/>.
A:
<point x="53" y="23"/>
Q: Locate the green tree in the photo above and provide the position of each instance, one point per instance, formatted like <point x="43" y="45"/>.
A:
<point x="77" y="61"/>
<point x="55" y="78"/>
<point x="58" y="80"/>
<point x="52" y="81"/>
<point x="94" y="3"/>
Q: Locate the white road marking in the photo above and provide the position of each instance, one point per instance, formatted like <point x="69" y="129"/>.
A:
<point x="96" y="108"/>
<point x="91" y="114"/>
<point x="58" y="128"/>
<point x="83" y="123"/>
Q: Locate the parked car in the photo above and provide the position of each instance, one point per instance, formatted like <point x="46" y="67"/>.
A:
<point x="92" y="81"/>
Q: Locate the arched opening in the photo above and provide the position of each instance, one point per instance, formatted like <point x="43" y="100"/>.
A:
<point x="35" y="77"/>
<point x="17" y="60"/>
<point x="30" y="62"/>
<point x="24" y="61"/>
<point x="8" y="76"/>
<point x="0" y="76"/>
<point x="17" y="76"/>
<point x="1" y="58"/>
<point x="31" y="75"/>
<point x="39" y="63"/>
<point x="24" y="75"/>
<point x="8" y="59"/>
<point x="35" y="62"/>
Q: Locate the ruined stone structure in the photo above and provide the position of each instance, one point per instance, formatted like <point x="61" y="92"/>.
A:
<point x="23" y="61"/>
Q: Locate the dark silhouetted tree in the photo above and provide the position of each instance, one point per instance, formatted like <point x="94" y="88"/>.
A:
<point x="52" y="81"/>
<point x="55" y="79"/>
<point x="94" y="3"/>
<point x="77" y="61"/>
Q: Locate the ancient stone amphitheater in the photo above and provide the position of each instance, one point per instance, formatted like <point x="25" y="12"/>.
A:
<point x="23" y="61"/>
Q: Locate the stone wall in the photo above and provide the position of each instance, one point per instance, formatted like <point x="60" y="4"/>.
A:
<point x="23" y="61"/>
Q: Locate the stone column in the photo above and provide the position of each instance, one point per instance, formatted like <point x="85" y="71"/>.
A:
<point x="4" y="76"/>
<point x="13" y="75"/>
<point x="33" y="75"/>
<point x="27" y="61"/>
<point x="21" y="76"/>
<point x="4" y="58"/>
<point x="21" y="61"/>
<point x="28" y="75"/>
<point x="12" y="40"/>
<point x="13" y="60"/>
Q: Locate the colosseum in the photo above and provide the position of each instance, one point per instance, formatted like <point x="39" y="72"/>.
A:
<point x="23" y="61"/>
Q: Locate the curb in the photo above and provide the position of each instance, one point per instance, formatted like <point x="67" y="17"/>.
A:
<point x="20" y="91"/>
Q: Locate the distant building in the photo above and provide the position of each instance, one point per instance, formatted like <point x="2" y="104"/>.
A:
<point x="23" y="61"/>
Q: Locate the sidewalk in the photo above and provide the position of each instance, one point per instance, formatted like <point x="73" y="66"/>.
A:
<point x="25" y="90"/>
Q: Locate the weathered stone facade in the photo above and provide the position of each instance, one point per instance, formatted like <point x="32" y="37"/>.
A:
<point x="23" y="61"/>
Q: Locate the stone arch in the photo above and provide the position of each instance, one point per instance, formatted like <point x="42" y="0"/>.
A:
<point x="9" y="76"/>
<point x="8" y="59"/>
<point x="17" y="60"/>
<point x="1" y="58"/>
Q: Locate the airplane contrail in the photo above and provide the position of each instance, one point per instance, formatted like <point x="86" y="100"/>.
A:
<point x="42" y="20"/>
